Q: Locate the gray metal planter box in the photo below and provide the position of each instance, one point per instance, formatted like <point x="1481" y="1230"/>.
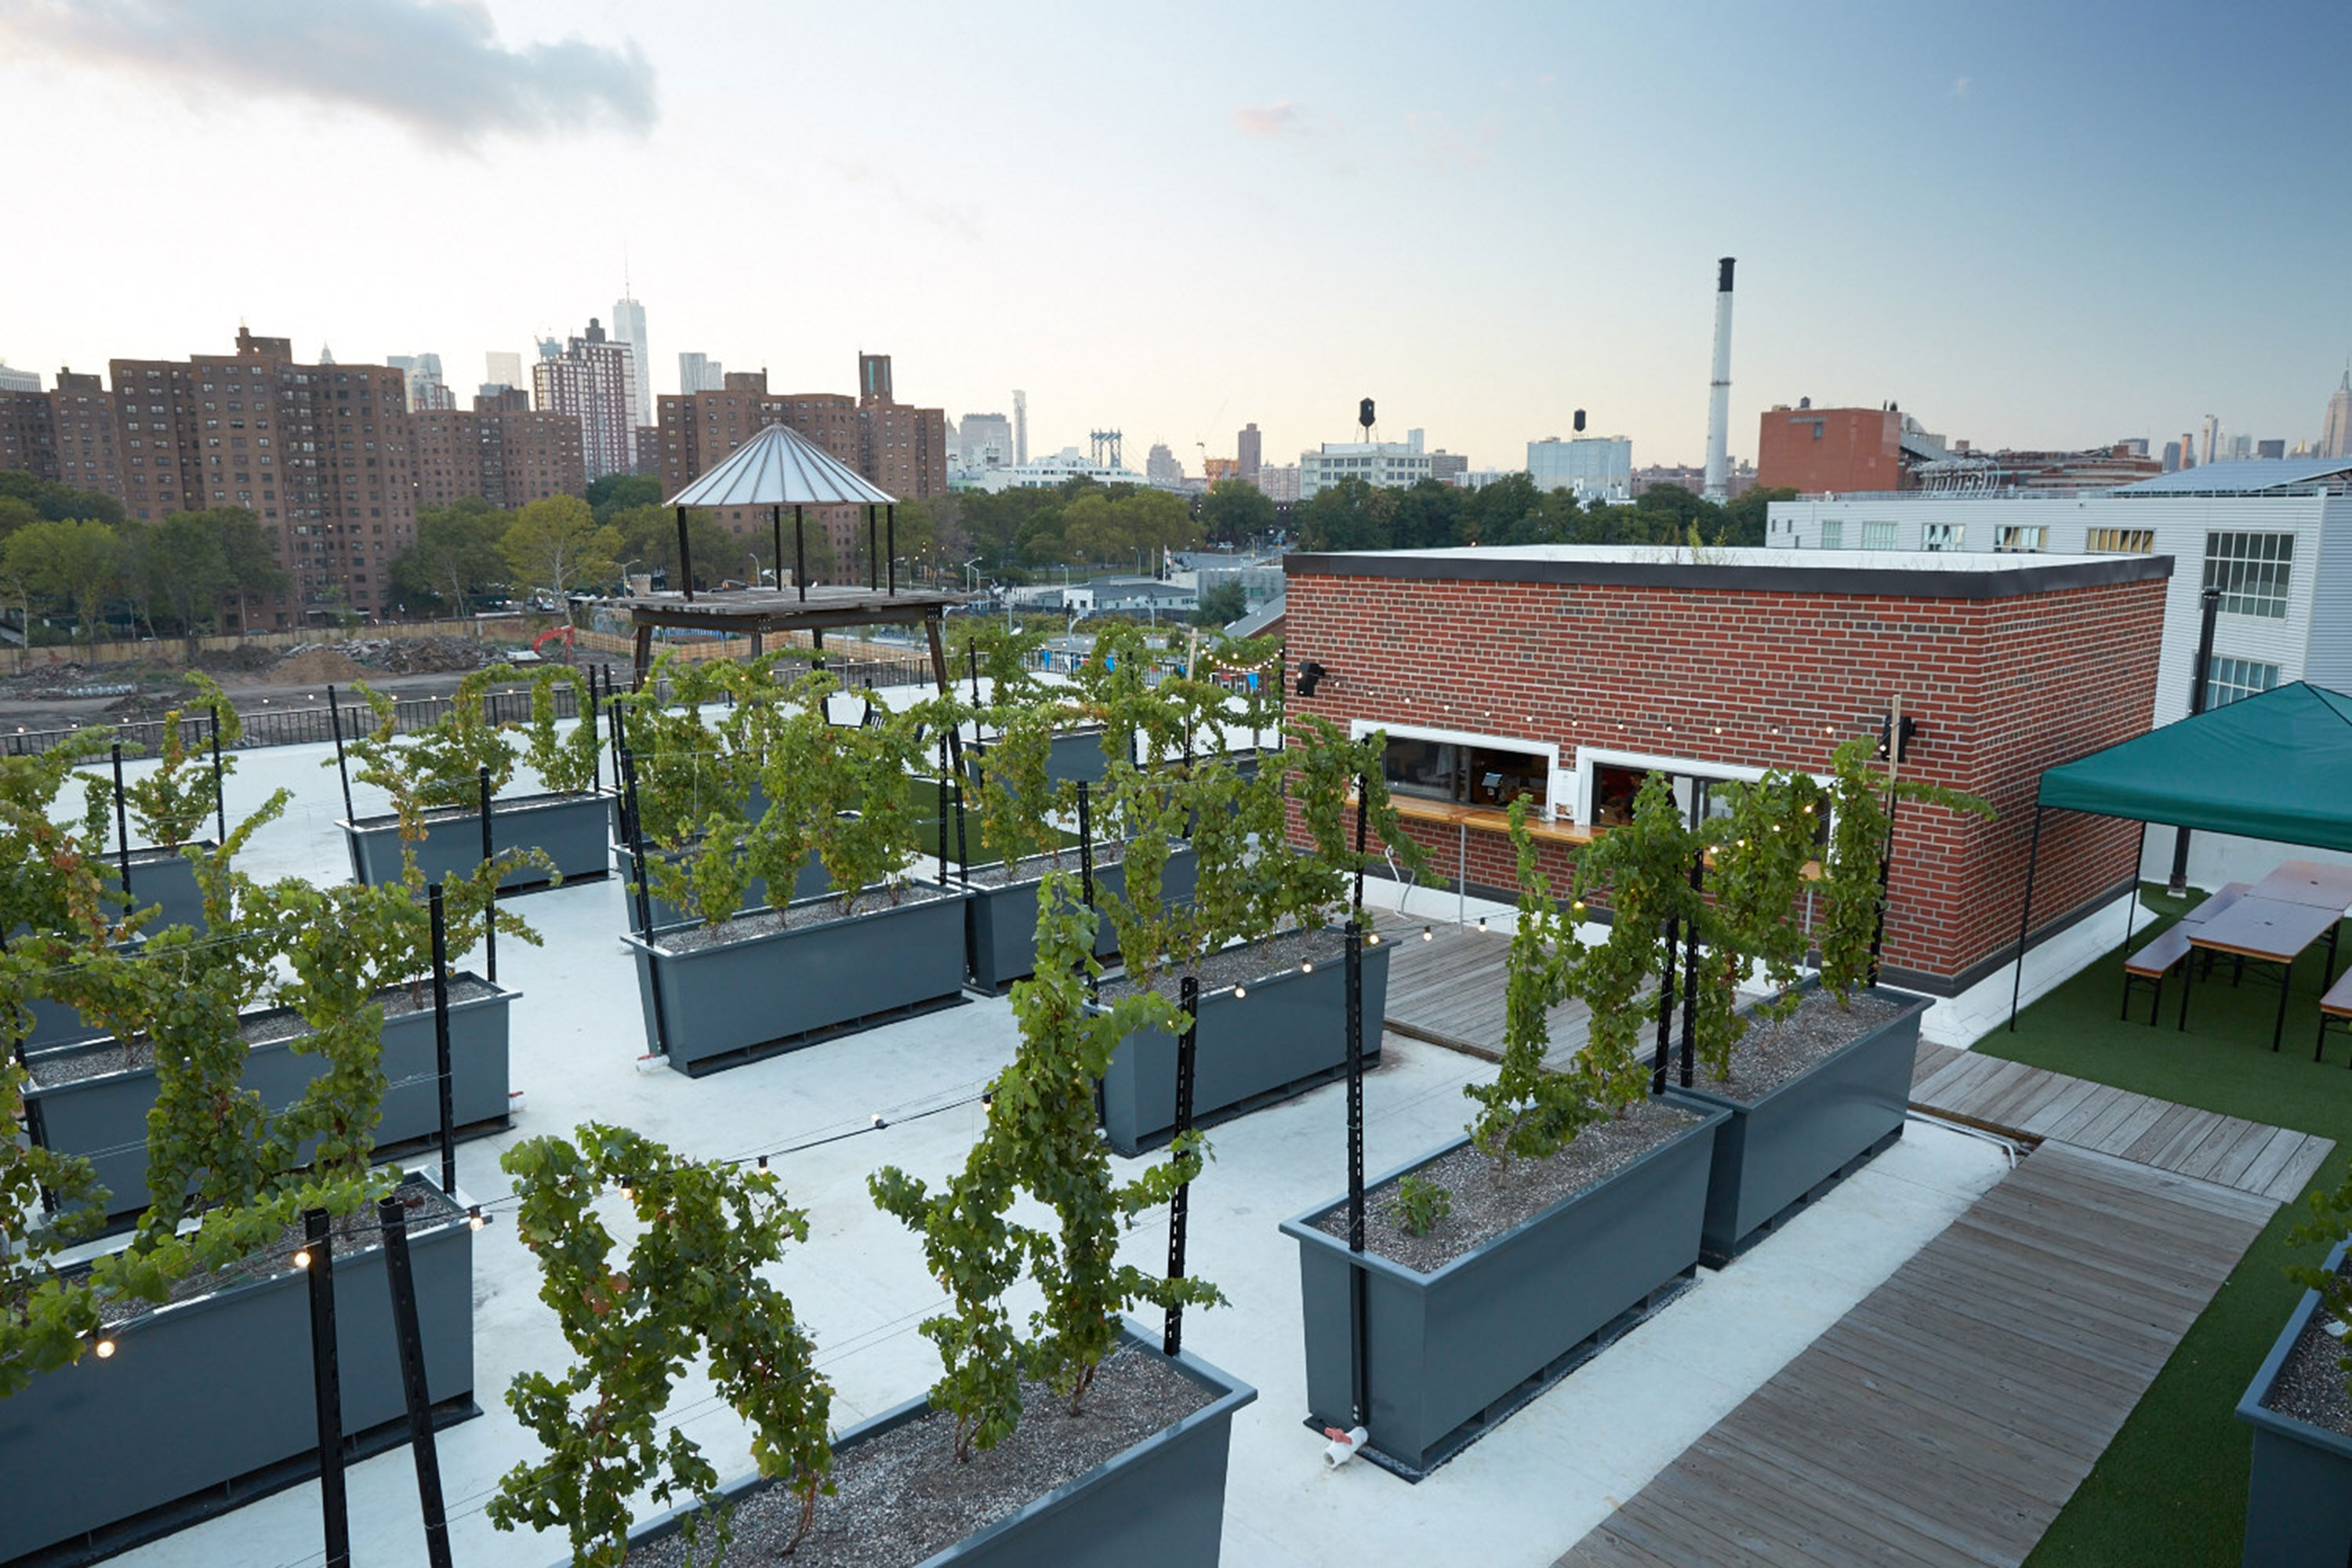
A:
<point x="1289" y="1034"/>
<point x="575" y="830"/>
<point x="1076" y="757"/>
<point x="812" y="883"/>
<point x="1002" y="922"/>
<point x="207" y="1404"/>
<point x="1160" y="1504"/>
<point x="165" y="880"/>
<point x="56" y="1024"/>
<point x="103" y="1118"/>
<point x="2299" y="1492"/>
<point x="1774" y="1155"/>
<point x="1450" y="1352"/>
<point x="735" y="1001"/>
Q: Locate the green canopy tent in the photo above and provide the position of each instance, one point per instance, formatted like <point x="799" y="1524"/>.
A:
<point x="2276" y="766"/>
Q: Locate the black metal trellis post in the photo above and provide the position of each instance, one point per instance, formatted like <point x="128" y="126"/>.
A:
<point x="684" y="558"/>
<point x="776" y="532"/>
<point x="35" y="1124"/>
<point x="890" y="548"/>
<point x="800" y="554"/>
<point x="490" y="905"/>
<point x="326" y="1387"/>
<point x="401" y="1279"/>
<point x="593" y="718"/>
<point x="441" y="1063"/>
<point x="940" y="825"/>
<point x="972" y="650"/>
<point x="1663" y="1054"/>
<point x="121" y="827"/>
<point x="872" y="580"/>
<point x="1086" y="844"/>
<point x="1359" y="1384"/>
<point x="220" y="799"/>
<point x="343" y="767"/>
<point x="628" y="763"/>
<point x="1690" y="971"/>
<point x="1180" y="1206"/>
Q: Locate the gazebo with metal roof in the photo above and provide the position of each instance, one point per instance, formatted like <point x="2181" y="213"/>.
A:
<point x="777" y="468"/>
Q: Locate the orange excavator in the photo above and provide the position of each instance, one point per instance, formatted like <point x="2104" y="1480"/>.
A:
<point x="552" y="634"/>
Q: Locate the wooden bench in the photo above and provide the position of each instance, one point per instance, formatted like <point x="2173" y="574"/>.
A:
<point x="2150" y="964"/>
<point x="2335" y="1007"/>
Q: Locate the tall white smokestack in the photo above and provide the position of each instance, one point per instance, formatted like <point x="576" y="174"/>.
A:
<point x="1718" y="398"/>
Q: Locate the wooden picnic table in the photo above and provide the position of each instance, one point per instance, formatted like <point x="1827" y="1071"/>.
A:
<point x="2266" y="930"/>
<point x="2308" y="882"/>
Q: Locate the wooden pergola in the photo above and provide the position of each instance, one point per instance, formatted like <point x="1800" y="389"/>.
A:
<point x="780" y="468"/>
<point x="761" y="613"/>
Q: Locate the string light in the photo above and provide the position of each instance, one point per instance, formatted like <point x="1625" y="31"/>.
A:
<point x="303" y="1258"/>
<point x="1373" y="940"/>
<point x="1240" y="991"/>
<point x="1482" y="922"/>
<point x="474" y="1216"/>
<point x="1305" y="966"/>
<point x="1427" y="934"/>
<point x="105" y="1349"/>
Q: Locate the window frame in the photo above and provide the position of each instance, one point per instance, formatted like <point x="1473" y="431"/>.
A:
<point x="1548" y="750"/>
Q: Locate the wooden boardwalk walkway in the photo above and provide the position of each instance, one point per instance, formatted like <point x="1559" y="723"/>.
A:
<point x="1988" y="1091"/>
<point x="1946" y="1419"/>
<point x="1449" y="990"/>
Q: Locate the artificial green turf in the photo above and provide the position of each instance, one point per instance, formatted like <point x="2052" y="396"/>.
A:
<point x="2171" y="1488"/>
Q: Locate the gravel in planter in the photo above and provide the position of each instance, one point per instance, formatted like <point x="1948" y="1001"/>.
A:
<point x="1250" y="962"/>
<point x="1483" y="1209"/>
<point x="901" y="1496"/>
<point x="351" y="1233"/>
<point x="1774" y="1050"/>
<point x="762" y="923"/>
<point x="2310" y="1385"/>
<point x="1034" y="868"/>
<point x="72" y="1066"/>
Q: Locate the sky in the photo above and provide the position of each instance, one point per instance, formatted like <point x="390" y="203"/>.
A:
<point x="2042" y="225"/>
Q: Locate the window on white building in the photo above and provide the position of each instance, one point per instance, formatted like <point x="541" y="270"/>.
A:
<point x="2021" y="538"/>
<point x="1940" y="536"/>
<point x="1834" y="534"/>
<point x="2120" y="540"/>
<point x="2229" y="679"/>
<point x="2251" y="570"/>
<point x="1878" y="536"/>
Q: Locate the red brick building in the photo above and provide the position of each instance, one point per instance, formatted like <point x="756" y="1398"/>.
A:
<point x="1831" y="451"/>
<point x="1570" y="672"/>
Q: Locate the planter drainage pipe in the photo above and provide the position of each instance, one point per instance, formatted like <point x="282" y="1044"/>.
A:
<point x="397" y="1275"/>
<point x="2033" y="857"/>
<point x="441" y="1037"/>
<point x="491" y="908"/>
<point x="1179" y="1206"/>
<point x="327" y="1387"/>
<point x="1353" y="979"/>
<point x="2009" y="1146"/>
<point x="121" y="828"/>
<point x="220" y="800"/>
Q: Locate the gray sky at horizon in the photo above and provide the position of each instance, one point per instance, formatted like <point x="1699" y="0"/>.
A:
<point x="2031" y="225"/>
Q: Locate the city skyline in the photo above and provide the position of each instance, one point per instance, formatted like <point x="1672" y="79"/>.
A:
<point x="1943" y="221"/>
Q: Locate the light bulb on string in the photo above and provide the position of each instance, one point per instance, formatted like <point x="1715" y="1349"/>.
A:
<point x="104" y="1349"/>
<point x="303" y="1258"/>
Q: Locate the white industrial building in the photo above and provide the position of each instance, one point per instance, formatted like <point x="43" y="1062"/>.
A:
<point x="1045" y="473"/>
<point x="1597" y="468"/>
<point x="2275" y="536"/>
<point x="1389" y="465"/>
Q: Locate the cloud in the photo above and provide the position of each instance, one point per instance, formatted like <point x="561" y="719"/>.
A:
<point x="950" y="217"/>
<point x="1281" y="119"/>
<point x="434" y="66"/>
<point x="1959" y="86"/>
<point x="1444" y="145"/>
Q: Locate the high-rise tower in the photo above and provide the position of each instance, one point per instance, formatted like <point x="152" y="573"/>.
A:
<point x="629" y="327"/>
<point x="2335" y="434"/>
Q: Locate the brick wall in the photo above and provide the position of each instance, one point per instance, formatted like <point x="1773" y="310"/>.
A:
<point x="2003" y="687"/>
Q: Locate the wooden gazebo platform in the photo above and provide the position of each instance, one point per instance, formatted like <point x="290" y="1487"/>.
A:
<point x="761" y="613"/>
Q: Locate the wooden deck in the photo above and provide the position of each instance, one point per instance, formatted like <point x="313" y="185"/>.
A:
<point x="1449" y="991"/>
<point x="1988" y="1091"/>
<point x="1946" y="1419"/>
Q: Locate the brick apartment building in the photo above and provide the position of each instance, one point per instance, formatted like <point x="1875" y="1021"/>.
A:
<point x="501" y="451"/>
<point x="1571" y="672"/>
<point x="897" y="445"/>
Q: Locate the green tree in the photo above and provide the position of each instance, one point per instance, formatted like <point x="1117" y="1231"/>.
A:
<point x="1222" y="604"/>
<point x="1350" y="515"/>
<point x="617" y="493"/>
<point x="556" y="544"/>
<point x="1744" y="517"/>
<point x="1234" y="510"/>
<point x="58" y="502"/>
<point x="647" y="536"/>
<point x="455" y="559"/>
<point x="16" y="512"/>
<point x="186" y="564"/>
<point x="72" y="563"/>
